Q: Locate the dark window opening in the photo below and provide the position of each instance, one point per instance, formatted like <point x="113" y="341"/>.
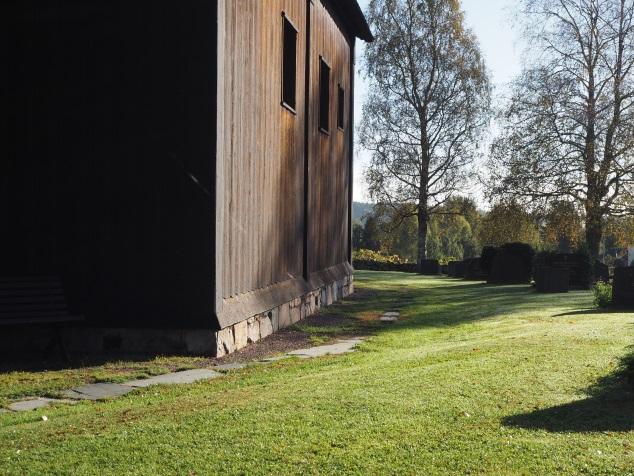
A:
<point x="289" y="66"/>
<point x="324" y="96"/>
<point x="341" y="109"/>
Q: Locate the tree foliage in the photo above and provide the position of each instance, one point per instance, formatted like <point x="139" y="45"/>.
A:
<point x="562" y="227"/>
<point x="509" y="222"/>
<point x="427" y="104"/>
<point x="568" y="129"/>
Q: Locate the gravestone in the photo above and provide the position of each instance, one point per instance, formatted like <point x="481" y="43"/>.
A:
<point x="451" y="268"/>
<point x="549" y="279"/>
<point x="601" y="271"/>
<point x="473" y="270"/>
<point x="460" y="269"/>
<point x="430" y="267"/>
<point x="577" y="264"/>
<point x="623" y="287"/>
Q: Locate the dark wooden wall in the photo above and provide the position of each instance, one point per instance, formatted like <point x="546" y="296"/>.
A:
<point x="107" y="152"/>
<point x="263" y="147"/>
<point x="329" y="153"/>
<point x="262" y="156"/>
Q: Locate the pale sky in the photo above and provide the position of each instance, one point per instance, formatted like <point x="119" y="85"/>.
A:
<point x="491" y="20"/>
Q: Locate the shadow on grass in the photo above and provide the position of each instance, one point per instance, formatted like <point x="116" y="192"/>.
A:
<point x="450" y="301"/>
<point x="609" y="407"/>
<point x="423" y="302"/>
<point x="589" y="312"/>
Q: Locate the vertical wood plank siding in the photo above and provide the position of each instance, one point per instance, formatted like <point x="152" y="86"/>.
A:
<point x="263" y="148"/>
<point x="329" y="168"/>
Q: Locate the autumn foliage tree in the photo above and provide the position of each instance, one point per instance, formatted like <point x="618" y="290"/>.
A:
<point x="508" y="222"/>
<point x="427" y="105"/>
<point x="562" y="227"/>
<point x="568" y="129"/>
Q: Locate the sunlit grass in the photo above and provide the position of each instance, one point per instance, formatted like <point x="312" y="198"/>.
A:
<point x="475" y="379"/>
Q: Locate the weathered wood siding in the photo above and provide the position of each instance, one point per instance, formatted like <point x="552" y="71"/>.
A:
<point x="262" y="154"/>
<point x="329" y="154"/>
<point x="263" y="147"/>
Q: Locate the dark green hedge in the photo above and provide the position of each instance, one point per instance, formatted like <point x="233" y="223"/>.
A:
<point x="370" y="265"/>
<point x="578" y="264"/>
<point x="512" y="264"/>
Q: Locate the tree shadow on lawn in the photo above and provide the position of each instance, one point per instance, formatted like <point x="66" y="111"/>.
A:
<point x="609" y="407"/>
<point x="448" y="302"/>
<point x="452" y="302"/>
<point x="589" y="312"/>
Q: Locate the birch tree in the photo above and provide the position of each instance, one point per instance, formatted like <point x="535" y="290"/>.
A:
<point x="427" y="105"/>
<point x="568" y="129"/>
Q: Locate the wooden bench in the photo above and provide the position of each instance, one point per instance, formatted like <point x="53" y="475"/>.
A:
<point x="35" y="300"/>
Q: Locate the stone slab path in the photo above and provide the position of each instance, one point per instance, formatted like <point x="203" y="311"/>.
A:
<point x="186" y="376"/>
<point x="35" y="403"/>
<point x="341" y="347"/>
<point x="103" y="391"/>
<point x="98" y="391"/>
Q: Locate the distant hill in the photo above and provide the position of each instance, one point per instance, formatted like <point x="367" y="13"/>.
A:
<point x="359" y="210"/>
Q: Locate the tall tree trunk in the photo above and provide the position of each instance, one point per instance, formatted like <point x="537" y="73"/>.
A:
<point x="423" y="220"/>
<point x="594" y="230"/>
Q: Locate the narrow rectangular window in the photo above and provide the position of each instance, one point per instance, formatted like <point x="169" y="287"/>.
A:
<point x="289" y="66"/>
<point x="341" y="107"/>
<point x="324" y="96"/>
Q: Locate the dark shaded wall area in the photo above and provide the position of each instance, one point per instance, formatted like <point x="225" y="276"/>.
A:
<point x="107" y="155"/>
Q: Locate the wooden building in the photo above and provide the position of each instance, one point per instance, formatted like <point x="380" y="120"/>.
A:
<point x="185" y="168"/>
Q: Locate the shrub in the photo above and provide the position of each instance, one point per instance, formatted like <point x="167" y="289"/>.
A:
<point x="578" y="264"/>
<point x="523" y="251"/>
<point x="375" y="261"/>
<point x="512" y="264"/>
<point x="430" y="267"/>
<point x="486" y="259"/>
<point x="602" y="294"/>
<point x="473" y="269"/>
<point x="460" y="269"/>
<point x="370" y="255"/>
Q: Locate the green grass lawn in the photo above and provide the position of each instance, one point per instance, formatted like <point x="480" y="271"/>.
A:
<point x="475" y="379"/>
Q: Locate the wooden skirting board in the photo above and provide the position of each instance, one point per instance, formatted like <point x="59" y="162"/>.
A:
<point x="239" y="308"/>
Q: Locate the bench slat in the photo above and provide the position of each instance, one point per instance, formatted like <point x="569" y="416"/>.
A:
<point x="31" y="299"/>
<point x="31" y="285"/>
<point x="41" y="320"/>
<point x="31" y="292"/>
<point x="43" y="306"/>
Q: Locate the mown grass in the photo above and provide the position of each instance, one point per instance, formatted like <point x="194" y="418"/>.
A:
<point x="475" y="379"/>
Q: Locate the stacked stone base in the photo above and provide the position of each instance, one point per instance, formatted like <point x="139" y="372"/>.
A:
<point x="89" y="340"/>
<point x="262" y="325"/>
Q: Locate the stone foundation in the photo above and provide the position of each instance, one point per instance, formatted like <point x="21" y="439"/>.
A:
<point x="262" y="325"/>
<point x="89" y="340"/>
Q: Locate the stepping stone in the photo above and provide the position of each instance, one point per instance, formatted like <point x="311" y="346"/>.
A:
<point x="333" y="349"/>
<point x="392" y="313"/>
<point x="35" y="403"/>
<point x="186" y="376"/>
<point x="355" y="340"/>
<point x="98" y="391"/>
<point x="386" y="318"/>
<point x="277" y="358"/>
<point x="228" y="367"/>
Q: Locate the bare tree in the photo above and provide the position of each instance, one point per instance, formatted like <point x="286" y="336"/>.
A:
<point x="568" y="129"/>
<point x="428" y="102"/>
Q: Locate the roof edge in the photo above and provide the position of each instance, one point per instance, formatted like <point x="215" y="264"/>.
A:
<point x="353" y="16"/>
